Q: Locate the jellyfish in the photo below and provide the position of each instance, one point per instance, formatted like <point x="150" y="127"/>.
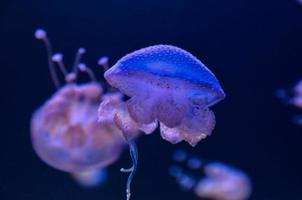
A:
<point x="91" y="178"/>
<point x="170" y="87"/>
<point x="297" y="99"/>
<point x="297" y="102"/>
<point x="219" y="181"/>
<point x="65" y="130"/>
<point x="223" y="182"/>
<point x="292" y="97"/>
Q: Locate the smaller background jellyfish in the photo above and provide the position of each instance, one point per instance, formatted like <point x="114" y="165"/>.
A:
<point x="216" y="180"/>
<point x="292" y="97"/>
<point x="65" y="131"/>
<point x="297" y="99"/>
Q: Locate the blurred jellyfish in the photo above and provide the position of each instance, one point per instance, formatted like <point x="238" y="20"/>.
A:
<point x="180" y="156"/>
<point x="91" y="178"/>
<point x="65" y="130"/>
<point x="297" y="99"/>
<point x="220" y="181"/>
<point x="223" y="182"/>
<point x="294" y="98"/>
<point x="169" y="85"/>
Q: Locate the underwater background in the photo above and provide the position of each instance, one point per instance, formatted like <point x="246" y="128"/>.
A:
<point x="253" y="47"/>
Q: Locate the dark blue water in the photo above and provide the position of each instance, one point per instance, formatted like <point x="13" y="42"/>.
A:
<point x="253" y="47"/>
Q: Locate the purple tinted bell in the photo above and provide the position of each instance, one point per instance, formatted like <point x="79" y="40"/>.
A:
<point x="169" y="85"/>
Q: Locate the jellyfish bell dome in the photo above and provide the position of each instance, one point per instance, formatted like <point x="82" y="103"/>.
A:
<point x="66" y="134"/>
<point x="169" y="85"/>
<point x="166" y="67"/>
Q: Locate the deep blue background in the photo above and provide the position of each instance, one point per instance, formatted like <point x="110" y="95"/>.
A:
<point x="254" y="47"/>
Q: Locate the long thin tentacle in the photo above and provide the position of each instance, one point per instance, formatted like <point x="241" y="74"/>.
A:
<point x="131" y="170"/>
<point x="51" y="67"/>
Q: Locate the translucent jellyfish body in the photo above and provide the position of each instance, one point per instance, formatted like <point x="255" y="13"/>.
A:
<point x="66" y="134"/>
<point x="219" y="182"/>
<point x="65" y="131"/>
<point x="294" y="98"/>
<point x="223" y="182"/>
<point x="169" y="85"/>
<point x="297" y="98"/>
<point x="91" y="178"/>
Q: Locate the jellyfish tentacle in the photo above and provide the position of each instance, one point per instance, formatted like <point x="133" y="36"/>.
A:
<point x="58" y="58"/>
<point x="91" y="74"/>
<point x="104" y="62"/>
<point x="126" y="169"/>
<point x="41" y="34"/>
<point x="77" y="60"/>
<point x="83" y="68"/>
<point x="132" y="170"/>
